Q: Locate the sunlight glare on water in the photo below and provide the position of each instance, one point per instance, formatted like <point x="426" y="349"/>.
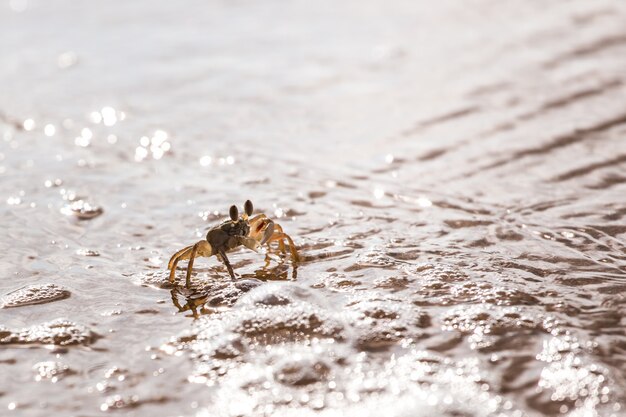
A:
<point x="452" y="174"/>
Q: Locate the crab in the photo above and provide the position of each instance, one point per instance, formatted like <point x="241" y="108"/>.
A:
<point x="242" y="230"/>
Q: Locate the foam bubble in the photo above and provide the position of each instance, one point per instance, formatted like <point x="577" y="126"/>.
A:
<point x="56" y="332"/>
<point x="34" y="294"/>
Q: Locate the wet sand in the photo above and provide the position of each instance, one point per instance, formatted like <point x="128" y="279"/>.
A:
<point x="453" y="175"/>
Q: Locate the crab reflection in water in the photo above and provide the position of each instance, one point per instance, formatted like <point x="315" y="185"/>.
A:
<point x="204" y="298"/>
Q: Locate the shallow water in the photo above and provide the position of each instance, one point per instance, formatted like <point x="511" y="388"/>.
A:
<point x="454" y="176"/>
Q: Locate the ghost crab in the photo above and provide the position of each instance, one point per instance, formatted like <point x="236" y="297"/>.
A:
<point x="238" y="231"/>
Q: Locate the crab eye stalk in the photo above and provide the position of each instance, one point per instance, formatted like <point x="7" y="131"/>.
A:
<point x="234" y="213"/>
<point x="248" y="207"/>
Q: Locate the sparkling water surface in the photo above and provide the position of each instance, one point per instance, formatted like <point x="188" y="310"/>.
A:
<point x="453" y="174"/>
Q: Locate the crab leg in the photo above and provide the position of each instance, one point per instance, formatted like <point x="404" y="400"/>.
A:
<point x="281" y="242"/>
<point x="280" y="237"/>
<point x="192" y="257"/>
<point x="202" y="248"/>
<point x="227" y="263"/>
<point x="178" y="256"/>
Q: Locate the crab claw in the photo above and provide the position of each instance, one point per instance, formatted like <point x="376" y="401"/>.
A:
<point x="250" y="243"/>
<point x="269" y="231"/>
